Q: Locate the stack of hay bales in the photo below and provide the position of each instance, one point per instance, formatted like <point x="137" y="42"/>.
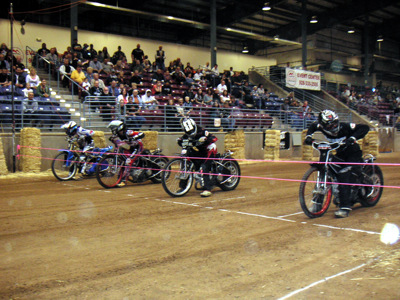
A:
<point x="272" y="144"/>
<point x="30" y="159"/>
<point x="150" y="140"/>
<point x="3" y="165"/>
<point x="307" y="151"/>
<point x="99" y="139"/>
<point x="234" y="141"/>
<point x="370" y="143"/>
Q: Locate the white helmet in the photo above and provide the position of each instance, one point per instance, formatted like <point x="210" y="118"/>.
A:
<point x="70" y="128"/>
<point x="189" y="126"/>
<point x="329" y="121"/>
<point x="116" y="125"/>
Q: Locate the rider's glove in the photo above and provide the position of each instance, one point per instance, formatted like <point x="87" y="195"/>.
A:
<point x="350" y="141"/>
<point x="202" y="139"/>
<point x="308" y="140"/>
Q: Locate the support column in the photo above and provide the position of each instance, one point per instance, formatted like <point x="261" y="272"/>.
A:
<point x="74" y="20"/>
<point x="213" y="32"/>
<point x="304" y="34"/>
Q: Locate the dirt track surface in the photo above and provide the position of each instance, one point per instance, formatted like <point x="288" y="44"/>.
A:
<point x="76" y="240"/>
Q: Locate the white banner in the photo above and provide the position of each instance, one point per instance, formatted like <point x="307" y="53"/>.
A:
<point x="301" y="79"/>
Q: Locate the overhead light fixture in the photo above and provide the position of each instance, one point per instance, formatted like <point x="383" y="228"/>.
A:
<point x="266" y="6"/>
<point x="314" y="20"/>
<point x="380" y="38"/>
<point x="245" y="50"/>
<point x="351" y="30"/>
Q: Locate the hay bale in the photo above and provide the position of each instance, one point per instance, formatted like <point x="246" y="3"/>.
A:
<point x="150" y="140"/>
<point x="99" y="139"/>
<point x="235" y="141"/>
<point x="272" y="144"/>
<point x="3" y="165"/>
<point x="30" y="160"/>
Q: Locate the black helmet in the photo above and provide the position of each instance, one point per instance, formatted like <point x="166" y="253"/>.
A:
<point x="116" y="126"/>
<point x="329" y="121"/>
<point x="189" y="126"/>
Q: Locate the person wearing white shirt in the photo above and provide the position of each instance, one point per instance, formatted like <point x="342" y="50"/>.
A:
<point x="222" y="87"/>
<point x="149" y="102"/>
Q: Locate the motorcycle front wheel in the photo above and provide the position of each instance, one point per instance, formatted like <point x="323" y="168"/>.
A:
<point x="62" y="168"/>
<point x="110" y="170"/>
<point x="374" y="186"/>
<point x="230" y="175"/>
<point x="313" y="196"/>
<point x="177" y="179"/>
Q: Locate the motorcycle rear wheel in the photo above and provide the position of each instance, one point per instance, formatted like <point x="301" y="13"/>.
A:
<point x="162" y="162"/>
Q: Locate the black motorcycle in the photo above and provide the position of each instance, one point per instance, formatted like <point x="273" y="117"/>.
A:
<point x="320" y="185"/>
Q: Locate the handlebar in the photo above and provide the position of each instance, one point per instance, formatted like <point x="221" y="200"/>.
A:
<point x="323" y="145"/>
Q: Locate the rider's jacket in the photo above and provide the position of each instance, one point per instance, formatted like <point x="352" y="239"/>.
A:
<point x="84" y="137"/>
<point x="204" y="148"/>
<point x="346" y="130"/>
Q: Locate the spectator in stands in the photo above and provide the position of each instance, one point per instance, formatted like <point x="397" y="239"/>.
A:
<point x="133" y="87"/>
<point x="122" y="99"/>
<point x="33" y="79"/>
<point x="158" y="76"/>
<point x="149" y="102"/>
<point x="121" y="78"/>
<point x="114" y="90"/>
<point x="176" y="72"/>
<point x="197" y="77"/>
<point x="132" y="116"/>
<point x="106" y="105"/>
<point x="225" y="97"/>
<point x="236" y="79"/>
<point x="215" y="71"/>
<point x="78" y="76"/>
<point x="92" y="51"/>
<point x="146" y="65"/>
<point x="118" y="55"/>
<point x="246" y="94"/>
<point x="199" y="97"/>
<point x="136" y="98"/>
<point x="189" y="81"/>
<point x="209" y="96"/>
<point x="52" y="57"/>
<point x="215" y="110"/>
<point x="166" y="89"/>
<point x="137" y="66"/>
<point x="85" y="88"/>
<point x="66" y="69"/>
<point x="89" y="74"/>
<point x="136" y="78"/>
<point x="153" y="68"/>
<point x="106" y="67"/>
<point x="118" y="66"/>
<point x="160" y="58"/>
<point x="19" y="81"/>
<point x="137" y="54"/>
<point x="103" y="54"/>
<point x="187" y="102"/>
<point x="28" y="89"/>
<point x="75" y="60"/>
<point x="345" y="95"/>
<point x="96" y="65"/>
<point x="4" y="49"/>
<point x="227" y="121"/>
<point x="30" y="107"/>
<point x="19" y="63"/>
<point x="76" y="47"/>
<point x="96" y="77"/>
<point x="41" y="52"/>
<point x="12" y="60"/>
<point x="95" y="89"/>
<point x="157" y="88"/>
<point x="222" y="87"/>
<point x="216" y="96"/>
<point x="171" y="67"/>
<point x="167" y="77"/>
<point x="206" y="69"/>
<point x="112" y="76"/>
<point x="188" y="69"/>
<point x="180" y="78"/>
<point x="5" y="81"/>
<point x="189" y="93"/>
<point x="4" y="63"/>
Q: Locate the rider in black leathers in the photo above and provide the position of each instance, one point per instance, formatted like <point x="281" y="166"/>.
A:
<point x="328" y="124"/>
<point x="205" y="148"/>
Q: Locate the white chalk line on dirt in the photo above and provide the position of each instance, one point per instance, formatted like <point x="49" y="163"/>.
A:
<point x="219" y="200"/>
<point x="284" y="216"/>
<point x="280" y="218"/>
<point x="321" y="281"/>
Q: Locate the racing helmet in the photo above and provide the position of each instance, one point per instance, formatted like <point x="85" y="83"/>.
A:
<point x="189" y="126"/>
<point x="116" y="126"/>
<point x="329" y="121"/>
<point x="70" y="128"/>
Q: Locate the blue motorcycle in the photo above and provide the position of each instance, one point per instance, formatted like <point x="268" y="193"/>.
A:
<point x="70" y="161"/>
